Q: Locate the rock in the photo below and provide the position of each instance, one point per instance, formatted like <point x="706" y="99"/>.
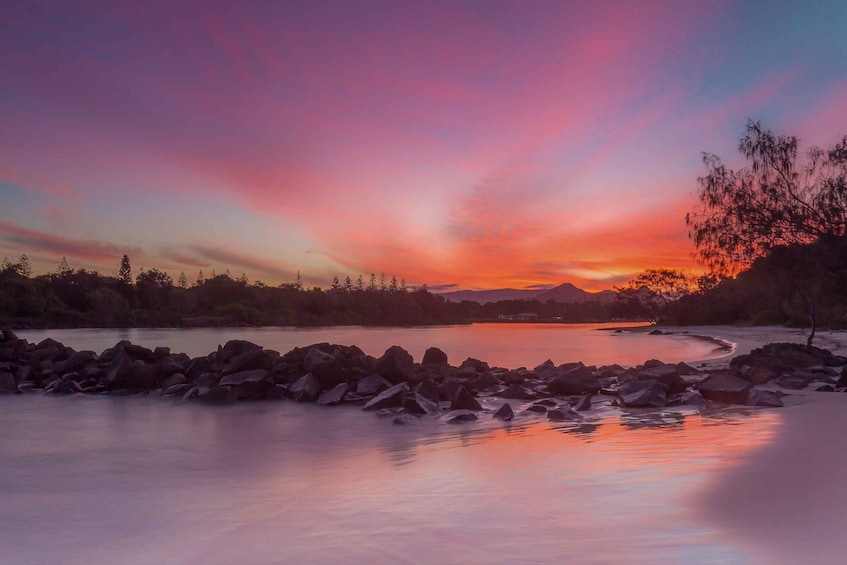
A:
<point x="460" y="416"/>
<point x="8" y="383"/>
<point x="464" y="400"/>
<point x="119" y="368"/>
<point x="692" y="397"/>
<point x="326" y="368"/>
<point x="333" y="396"/>
<point x="548" y="402"/>
<point x="724" y="388"/>
<point x="515" y="391"/>
<point x="219" y="395"/>
<point x="276" y="392"/>
<point x="583" y="403"/>
<point x="175" y="379"/>
<point x="576" y="381"/>
<point x="75" y="362"/>
<point x="255" y="376"/>
<point x="404" y="419"/>
<point x="418" y="404"/>
<point x="235" y="347"/>
<point x="141" y="376"/>
<point x="666" y="375"/>
<point x="177" y="389"/>
<point x="825" y="388"/>
<point x="429" y="390"/>
<point x="396" y="365"/>
<point x="389" y="398"/>
<point x="842" y="380"/>
<point x="206" y="380"/>
<point x="252" y="359"/>
<point x="371" y="385"/>
<point x="685" y="369"/>
<point x="656" y="332"/>
<point x="305" y="389"/>
<point x="794" y="382"/>
<point x="563" y="413"/>
<point x="167" y="366"/>
<point x="475" y="365"/>
<point x="759" y="397"/>
<point x="643" y="394"/>
<point x="484" y="381"/>
<point x="538" y="408"/>
<point x="505" y="412"/>
<point x="434" y="356"/>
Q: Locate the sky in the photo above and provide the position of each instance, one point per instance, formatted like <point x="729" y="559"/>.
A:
<point x="462" y="145"/>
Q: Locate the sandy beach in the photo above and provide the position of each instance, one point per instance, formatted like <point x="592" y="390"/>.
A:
<point x="785" y="500"/>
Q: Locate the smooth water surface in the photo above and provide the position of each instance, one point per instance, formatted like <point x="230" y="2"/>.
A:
<point x="141" y="480"/>
<point x="504" y="345"/>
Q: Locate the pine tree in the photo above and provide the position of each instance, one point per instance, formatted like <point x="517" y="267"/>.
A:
<point x="182" y="281"/>
<point x="243" y="279"/>
<point x="372" y="282"/>
<point x="336" y="286"/>
<point x="360" y="283"/>
<point x="24" y="267"/>
<point x="5" y="265"/>
<point x="200" y="279"/>
<point x="348" y="284"/>
<point x="63" y="268"/>
<point x="125" y="272"/>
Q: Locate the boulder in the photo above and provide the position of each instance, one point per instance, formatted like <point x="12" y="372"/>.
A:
<point x="583" y="403"/>
<point x="206" y="380"/>
<point x="484" y="381"/>
<point x="429" y="390"/>
<point x="825" y="388"/>
<point x="141" y="376"/>
<point x="219" y="395"/>
<point x="537" y="408"/>
<point x="389" y="398"/>
<point x="326" y="368"/>
<point x="417" y="404"/>
<point x="795" y="381"/>
<point x="334" y="395"/>
<point x="174" y="379"/>
<point x="372" y="385"/>
<point x="235" y="347"/>
<point x="305" y="389"/>
<point x="563" y="413"/>
<point x="505" y="412"/>
<point x="75" y="362"/>
<point x="759" y="397"/>
<point x="251" y="359"/>
<point x="724" y="388"/>
<point x="643" y="394"/>
<point x="7" y="383"/>
<point x="516" y="392"/>
<point x="460" y="416"/>
<point x="666" y="375"/>
<point x="396" y="365"/>
<point x="177" y="389"/>
<point x="580" y="380"/>
<point x="250" y="383"/>
<point x="434" y="356"/>
<point x="464" y="400"/>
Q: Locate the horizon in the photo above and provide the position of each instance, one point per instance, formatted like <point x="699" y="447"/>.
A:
<point x="463" y="146"/>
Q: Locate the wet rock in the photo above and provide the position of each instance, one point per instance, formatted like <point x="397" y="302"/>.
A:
<point x="75" y="362"/>
<point x="418" y="404"/>
<point x="724" y="388"/>
<point x="141" y="376"/>
<point x="576" y="381"/>
<point x="643" y="394"/>
<point x="396" y="365"/>
<point x="474" y="364"/>
<point x="505" y="412"/>
<point x="219" y="395"/>
<point x="464" y="400"/>
<point x="372" y="385"/>
<point x="405" y="419"/>
<point x="429" y="390"/>
<point x="333" y="396"/>
<point x="759" y="397"/>
<point x="666" y="375"/>
<point x="389" y="398"/>
<point x="249" y="360"/>
<point x="537" y="408"/>
<point x="685" y="369"/>
<point x="207" y="380"/>
<point x="326" y="368"/>
<point x="548" y="402"/>
<point x="167" y="366"/>
<point x="119" y="368"/>
<point x="583" y="403"/>
<point x="174" y="379"/>
<point x="484" y="381"/>
<point x="693" y="398"/>
<point x="8" y="383"/>
<point x="305" y="389"/>
<point x="434" y="356"/>
<point x="234" y="348"/>
<point x="177" y="389"/>
<point x="656" y="332"/>
<point x="825" y="388"/>
<point x="563" y="413"/>
<point x="276" y="392"/>
<point x="795" y="381"/>
<point x="516" y="392"/>
<point x="460" y="416"/>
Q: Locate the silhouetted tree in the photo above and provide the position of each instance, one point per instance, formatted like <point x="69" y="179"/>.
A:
<point x="6" y="265"/>
<point x="125" y="271"/>
<point x="182" y="280"/>
<point x="23" y="267"/>
<point x="63" y="268"/>
<point x="200" y="278"/>
<point x="653" y="290"/>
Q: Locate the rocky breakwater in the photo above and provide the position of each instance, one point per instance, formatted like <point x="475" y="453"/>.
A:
<point x="394" y="384"/>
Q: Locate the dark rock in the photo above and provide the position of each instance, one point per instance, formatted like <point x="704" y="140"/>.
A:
<point x="396" y="365"/>
<point x="175" y="379"/>
<point x="404" y="419"/>
<point x="418" y="404"/>
<point x="434" y="356"/>
<point x="759" y="397"/>
<point x="484" y="381"/>
<point x="656" y="332"/>
<point x="372" y="385"/>
<point x="794" y="382"/>
<point x="539" y="408"/>
<point x="429" y="390"/>
<point x="326" y="368"/>
<point x="167" y="366"/>
<point x="333" y="396"/>
<point x="563" y="413"/>
<point x="119" y="368"/>
<point x="276" y="392"/>
<point x="761" y="374"/>
<point x="8" y="383"/>
<point x="235" y="347"/>
<point x="177" y="389"/>
<point x="475" y="364"/>
<point x="724" y="388"/>
<point x="505" y="412"/>
<point x="825" y="388"/>
<point x="685" y="369"/>
<point x="577" y="381"/>
<point x="547" y="402"/>
<point x="249" y="360"/>
<point x="643" y="394"/>
<point x="219" y="395"/>
<point x="75" y="362"/>
<point x="305" y="389"/>
<point x="464" y="400"/>
<point x="515" y="391"/>
<point x="248" y="384"/>
<point x="197" y="367"/>
<point x="207" y="380"/>
<point x="693" y="398"/>
<point x="161" y="352"/>
<point x="448" y="389"/>
<point x="460" y="416"/>
<point x="583" y="403"/>
<point x="666" y="375"/>
<point x="388" y="398"/>
<point x="842" y="380"/>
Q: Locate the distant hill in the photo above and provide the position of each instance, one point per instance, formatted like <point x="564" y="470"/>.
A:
<point x="565" y="293"/>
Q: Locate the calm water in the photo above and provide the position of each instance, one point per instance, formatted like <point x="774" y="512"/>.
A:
<point x="504" y="345"/>
<point x="140" y="480"/>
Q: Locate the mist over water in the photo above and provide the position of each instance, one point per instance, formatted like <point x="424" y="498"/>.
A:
<point x="503" y="345"/>
<point x="142" y="480"/>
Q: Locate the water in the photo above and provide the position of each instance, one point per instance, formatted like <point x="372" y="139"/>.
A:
<point x="504" y="345"/>
<point x="142" y="480"/>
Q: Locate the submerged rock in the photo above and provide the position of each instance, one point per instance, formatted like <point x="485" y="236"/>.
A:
<point x="725" y="388"/>
<point x="389" y="398"/>
<point x="643" y="394"/>
<point x="505" y="412"/>
<point x="464" y="400"/>
<point x="460" y="416"/>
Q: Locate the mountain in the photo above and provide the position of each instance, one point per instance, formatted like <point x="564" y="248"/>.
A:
<point x="569" y="293"/>
<point x="563" y="293"/>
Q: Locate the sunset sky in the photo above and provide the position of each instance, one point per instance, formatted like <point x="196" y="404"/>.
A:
<point x="459" y="144"/>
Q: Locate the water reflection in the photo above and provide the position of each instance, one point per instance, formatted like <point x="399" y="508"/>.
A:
<point x="140" y="480"/>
